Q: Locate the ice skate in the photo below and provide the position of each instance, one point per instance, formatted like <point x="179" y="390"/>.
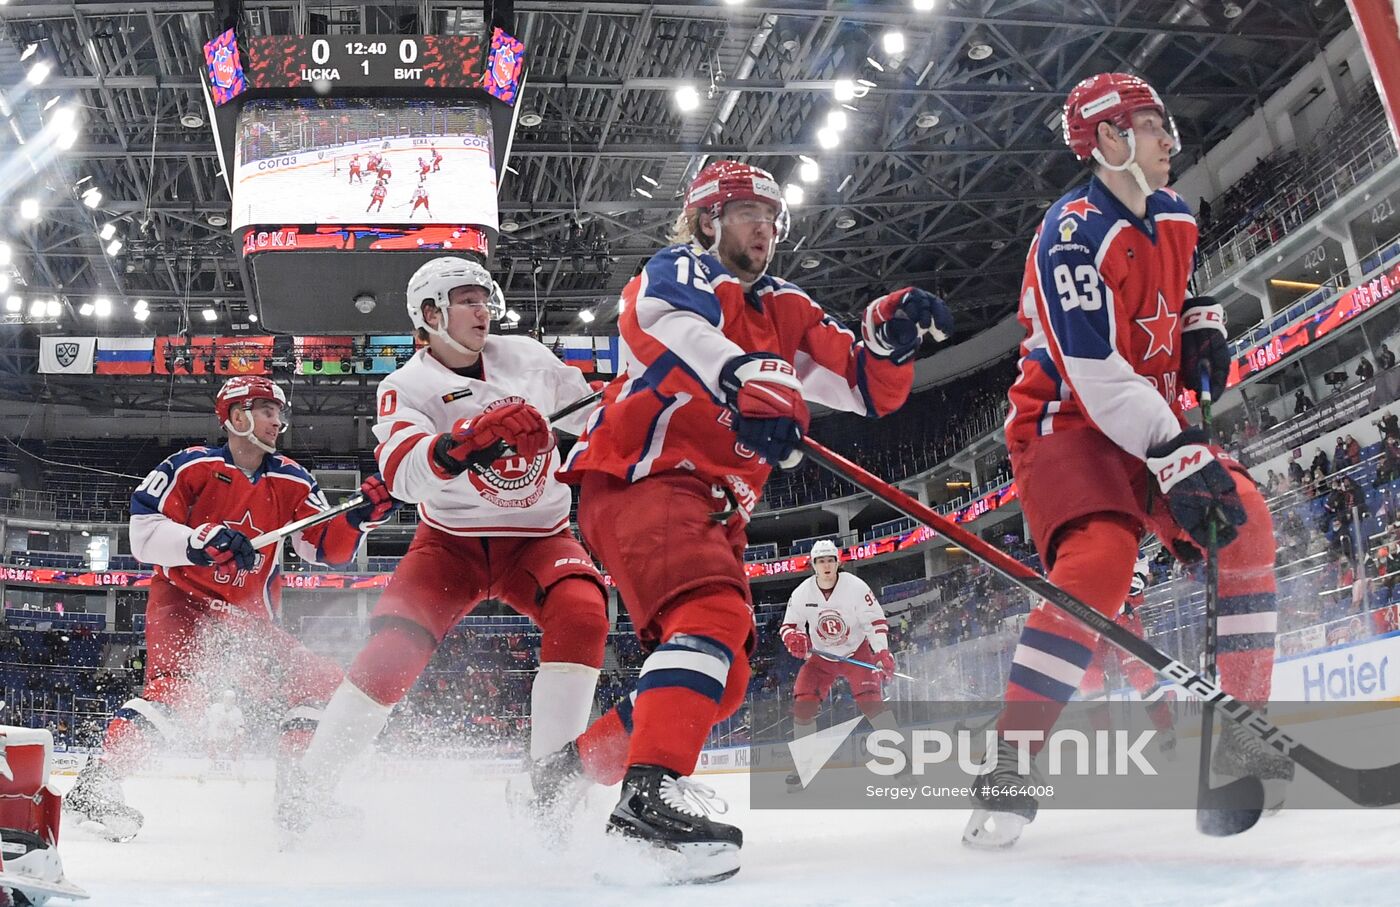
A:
<point x="1239" y="754"/>
<point x="998" y="816"/>
<point x="299" y="804"/>
<point x="794" y="783"/>
<point x="97" y="800"/>
<point x="671" y="813"/>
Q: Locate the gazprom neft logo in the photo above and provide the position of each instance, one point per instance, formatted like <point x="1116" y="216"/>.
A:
<point x="1067" y="751"/>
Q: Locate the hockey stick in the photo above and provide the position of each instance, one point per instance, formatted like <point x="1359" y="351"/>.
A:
<point x="1234" y="807"/>
<point x="1365" y="786"/>
<point x="315" y="519"/>
<point x="860" y="664"/>
<point x="480" y="461"/>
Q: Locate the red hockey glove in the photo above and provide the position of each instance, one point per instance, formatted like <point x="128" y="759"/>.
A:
<point x="378" y="505"/>
<point x="799" y="645"/>
<point x="885" y="660"/>
<point x="214" y="544"/>
<point x="1198" y="489"/>
<point x="896" y="323"/>
<point x="474" y="442"/>
<point x="770" y="415"/>
<point x="1203" y="342"/>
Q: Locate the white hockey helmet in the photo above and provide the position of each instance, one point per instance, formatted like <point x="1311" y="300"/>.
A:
<point x="825" y="548"/>
<point x="434" y="281"/>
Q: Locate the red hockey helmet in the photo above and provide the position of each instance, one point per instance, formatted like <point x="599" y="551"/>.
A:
<point x="1111" y="97"/>
<point x="731" y="181"/>
<point x="241" y="391"/>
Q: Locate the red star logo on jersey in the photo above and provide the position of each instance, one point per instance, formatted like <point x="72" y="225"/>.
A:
<point x="245" y="525"/>
<point x="1160" y="328"/>
<point x="1081" y="208"/>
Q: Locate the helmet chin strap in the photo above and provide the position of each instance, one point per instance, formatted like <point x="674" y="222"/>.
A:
<point x="441" y="334"/>
<point x="248" y="435"/>
<point x="1130" y="165"/>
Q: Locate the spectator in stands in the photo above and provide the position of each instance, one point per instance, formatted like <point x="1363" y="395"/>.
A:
<point x="1365" y="370"/>
<point x="1353" y="450"/>
<point x="1204" y="214"/>
<point x="1389" y="468"/>
<point x="1340" y="457"/>
<point x="1390" y="425"/>
<point x="1385" y="358"/>
<point x="1301" y="403"/>
<point x="1273" y="484"/>
<point x="1267" y="420"/>
<point x="1320" y="462"/>
<point x="1295" y="473"/>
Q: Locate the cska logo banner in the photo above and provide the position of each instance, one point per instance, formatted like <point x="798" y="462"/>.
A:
<point x="504" y="68"/>
<point x="224" y="68"/>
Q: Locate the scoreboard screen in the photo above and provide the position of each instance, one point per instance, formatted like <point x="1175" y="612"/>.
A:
<point x="351" y="161"/>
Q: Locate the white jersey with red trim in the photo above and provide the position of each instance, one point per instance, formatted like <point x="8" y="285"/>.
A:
<point x="423" y="398"/>
<point x="1101" y="303"/>
<point x="203" y="485"/>
<point x="837" y="622"/>
<point x="682" y="319"/>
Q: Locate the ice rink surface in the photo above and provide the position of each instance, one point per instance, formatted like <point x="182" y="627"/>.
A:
<point x="444" y="835"/>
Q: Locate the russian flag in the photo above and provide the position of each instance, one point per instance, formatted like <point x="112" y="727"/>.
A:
<point x="577" y="351"/>
<point x="125" y="355"/>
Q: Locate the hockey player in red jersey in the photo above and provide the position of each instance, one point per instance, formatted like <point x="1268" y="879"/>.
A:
<point x="386" y="170"/>
<point x="495" y="529"/>
<point x="720" y="359"/>
<point x="834" y="613"/>
<point x="1142" y="678"/>
<point x="372" y="165"/>
<point x="193" y="518"/>
<point x="424" y="166"/>
<point x="420" y="198"/>
<point x="376" y="197"/>
<point x="1097" y="440"/>
<point x="437" y="160"/>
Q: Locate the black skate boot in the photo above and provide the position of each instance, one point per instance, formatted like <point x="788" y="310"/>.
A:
<point x="97" y="798"/>
<point x="671" y="813"/>
<point x="794" y="782"/>
<point x="1239" y="754"/>
<point x="1001" y="805"/>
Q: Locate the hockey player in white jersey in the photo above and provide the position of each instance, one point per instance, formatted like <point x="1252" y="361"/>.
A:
<point x="488" y="525"/>
<point x="829" y="615"/>
<point x="224" y="730"/>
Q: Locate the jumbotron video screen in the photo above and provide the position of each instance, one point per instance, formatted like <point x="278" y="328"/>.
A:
<point x="347" y="160"/>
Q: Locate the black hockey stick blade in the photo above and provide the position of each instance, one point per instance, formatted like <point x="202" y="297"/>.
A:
<point x="1230" y="808"/>
<point x="1379" y="786"/>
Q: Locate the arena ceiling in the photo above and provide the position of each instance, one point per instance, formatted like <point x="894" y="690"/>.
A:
<point x="949" y="156"/>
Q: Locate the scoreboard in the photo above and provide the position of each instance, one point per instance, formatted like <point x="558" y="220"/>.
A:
<point x="352" y="159"/>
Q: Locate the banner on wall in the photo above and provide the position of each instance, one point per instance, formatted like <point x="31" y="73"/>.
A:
<point x="1380" y="36"/>
<point x="243" y="355"/>
<point x="184" y="356"/>
<point x="125" y="355"/>
<point x="66" y="355"/>
<point x="383" y="353"/>
<point x="325" y="355"/>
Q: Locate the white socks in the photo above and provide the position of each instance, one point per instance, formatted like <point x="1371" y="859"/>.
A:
<point x="349" y="724"/>
<point x="560" y="703"/>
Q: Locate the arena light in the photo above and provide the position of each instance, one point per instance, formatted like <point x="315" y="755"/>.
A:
<point x="809" y="172"/>
<point x="586" y="316"/>
<point x="29" y="209"/>
<point x="114" y="247"/>
<point x="828" y="138"/>
<point x="67" y="139"/>
<point x="512" y="316"/>
<point x="845" y="221"/>
<point x="102" y="306"/>
<point x="4" y="283"/>
<point x="92" y="197"/>
<point x="924" y="6"/>
<point x="253" y="317"/>
<point x="141" y="306"/>
<point x="65" y="117"/>
<point x="844" y="90"/>
<point x="687" y="98"/>
<point x="13" y="304"/>
<point x="85" y="309"/>
<point x="29" y="51"/>
<point x="6" y="254"/>
<point x="837" y="119"/>
<point x="38" y="72"/>
<point x="142" y="315"/>
<point x="54" y="308"/>
<point x="36" y="309"/>
<point x="892" y="42"/>
<point x="210" y="315"/>
<point x="107" y="232"/>
<point x="794" y="194"/>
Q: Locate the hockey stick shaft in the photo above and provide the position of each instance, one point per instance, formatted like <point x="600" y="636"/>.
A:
<point x="479" y="461"/>
<point x="1212" y="603"/>
<point x="315" y="519"/>
<point x="829" y="656"/>
<point x="1366" y="786"/>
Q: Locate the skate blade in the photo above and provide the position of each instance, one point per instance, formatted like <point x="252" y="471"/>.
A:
<point x="116" y="831"/>
<point x="701" y="863"/>
<point x="988" y="830"/>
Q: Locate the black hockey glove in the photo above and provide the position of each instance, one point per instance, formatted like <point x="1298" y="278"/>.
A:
<point x="214" y="544"/>
<point x="895" y="324"/>
<point x="1203" y="341"/>
<point x="1197" y="487"/>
